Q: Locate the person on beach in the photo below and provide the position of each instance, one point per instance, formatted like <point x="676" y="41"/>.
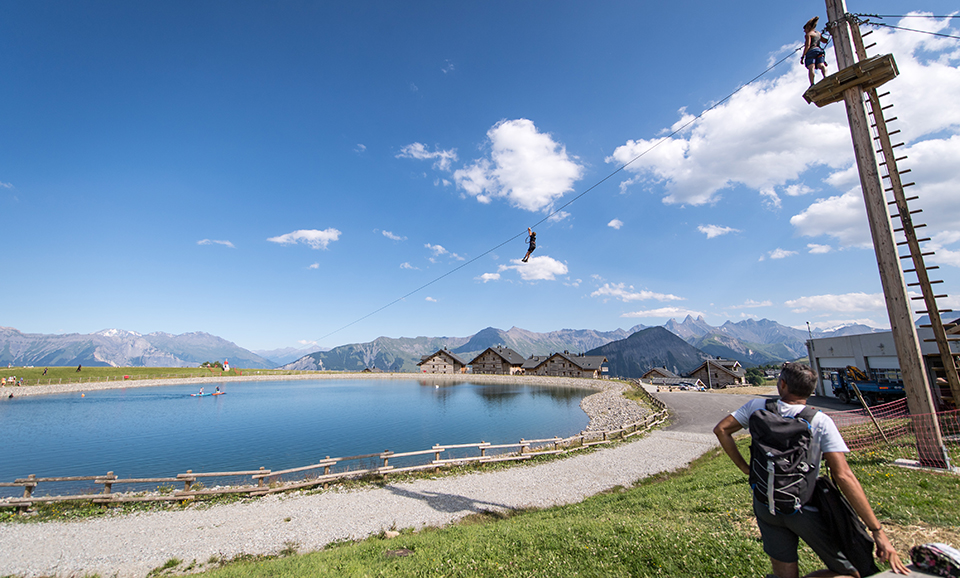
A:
<point x="780" y="533"/>
<point x="813" y="57"/>
<point x="532" y="239"/>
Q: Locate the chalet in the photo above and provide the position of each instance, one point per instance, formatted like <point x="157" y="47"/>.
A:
<point x="677" y="382"/>
<point x="499" y="361"/>
<point x="530" y="365"/>
<point x="442" y="361"/>
<point x="659" y="372"/>
<point x="568" y="364"/>
<point x="720" y="373"/>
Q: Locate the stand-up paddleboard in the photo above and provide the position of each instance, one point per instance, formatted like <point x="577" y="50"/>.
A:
<point x="219" y="393"/>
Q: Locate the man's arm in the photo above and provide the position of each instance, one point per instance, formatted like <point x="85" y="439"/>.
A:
<point x="850" y="486"/>
<point x="724" y="432"/>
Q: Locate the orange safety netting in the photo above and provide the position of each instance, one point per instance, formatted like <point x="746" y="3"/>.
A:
<point x="860" y="431"/>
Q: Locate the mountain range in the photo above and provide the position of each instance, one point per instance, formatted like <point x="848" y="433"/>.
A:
<point x="751" y="342"/>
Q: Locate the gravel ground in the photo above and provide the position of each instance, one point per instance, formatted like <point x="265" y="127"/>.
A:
<point x="130" y="545"/>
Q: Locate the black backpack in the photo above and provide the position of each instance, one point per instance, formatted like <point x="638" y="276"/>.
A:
<point x="782" y="473"/>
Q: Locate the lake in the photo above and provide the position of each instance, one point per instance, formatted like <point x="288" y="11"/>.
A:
<point x="162" y="431"/>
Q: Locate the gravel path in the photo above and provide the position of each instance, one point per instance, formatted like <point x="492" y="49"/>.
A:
<point x="133" y="544"/>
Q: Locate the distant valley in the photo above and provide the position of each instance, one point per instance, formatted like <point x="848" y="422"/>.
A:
<point x="675" y="344"/>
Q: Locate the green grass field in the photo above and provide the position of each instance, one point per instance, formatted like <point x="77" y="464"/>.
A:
<point x="696" y="522"/>
<point x="35" y="375"/>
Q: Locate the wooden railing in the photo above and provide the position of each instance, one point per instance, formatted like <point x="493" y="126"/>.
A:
<point x="266" y="481"/>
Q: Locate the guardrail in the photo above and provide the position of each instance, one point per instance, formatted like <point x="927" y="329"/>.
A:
<point x="264" y="481"/>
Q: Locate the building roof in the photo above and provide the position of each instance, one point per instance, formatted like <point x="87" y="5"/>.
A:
<point x="454" y="356"/>
<point x="584" y="362"/>
<point x="534" y="360"/>
<point x="726" y="365"/>
<point x="661" y="371"/>
<point x="507" y="354"/>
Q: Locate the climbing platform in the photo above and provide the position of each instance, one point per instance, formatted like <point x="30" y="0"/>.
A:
<point x="867" y="74"/>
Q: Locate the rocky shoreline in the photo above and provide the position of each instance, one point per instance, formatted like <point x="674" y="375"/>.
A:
<point x="607" y="409"/>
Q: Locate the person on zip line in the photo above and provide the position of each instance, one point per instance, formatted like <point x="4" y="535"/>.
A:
<point x="532" y="239"/>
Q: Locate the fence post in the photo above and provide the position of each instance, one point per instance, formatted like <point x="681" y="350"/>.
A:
<point x="436" y="458"/>
<point x="29" y="486"/>
<point x="187" y="482"/>
<point x="521" y="446"/>
<point x="108" y="483"/>
<point x="260" y="480"/>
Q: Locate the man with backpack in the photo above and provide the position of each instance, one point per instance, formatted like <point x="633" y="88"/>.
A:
<point x="788" y="441"/>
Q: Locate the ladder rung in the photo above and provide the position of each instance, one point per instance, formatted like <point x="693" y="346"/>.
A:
<point x="903" y="186"/>
<point x="941" y="311"/>
<point x="864" y="35"/>
<point x="894" y="160"/>
<point x="915" y="227"/>
<point x="869" y="46"/>
<point x="921" y="297"/>
<point x="918" y="241"/>
<point x="908" y="199"/>
<point x="949" y="338"/>
<point x="886" y="107"/>
<point x="885" y="93"/>
<point x="921" y="254"/>
<point x="897" y="216"/>
<point x="916" y="284"/>
<point x="945" y="325"/>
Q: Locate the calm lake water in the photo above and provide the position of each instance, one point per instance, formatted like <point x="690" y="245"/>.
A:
<point x="162" y="431"/>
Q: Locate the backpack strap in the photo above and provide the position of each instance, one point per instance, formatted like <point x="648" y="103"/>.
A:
<point x="807" y="414"/>
<point x="771" y="406"/>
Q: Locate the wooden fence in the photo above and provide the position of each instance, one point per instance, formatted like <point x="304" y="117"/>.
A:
<point x="207" y="373"/>
<point x="266" y="481"/>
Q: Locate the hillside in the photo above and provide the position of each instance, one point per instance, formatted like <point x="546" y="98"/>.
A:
<point x="649" y="348"/>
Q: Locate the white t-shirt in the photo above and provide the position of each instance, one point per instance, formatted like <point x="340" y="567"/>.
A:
<point x="825" y="437"/>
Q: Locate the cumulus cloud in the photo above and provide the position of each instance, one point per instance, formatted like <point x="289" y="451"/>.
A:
<point x="844" y="303"/>
<point x="728" y="147"/>
<point x="393" y="237"/>
<point x="314" y="266"/>
<point x="712" y="231"/>
<point x="819" y="249"/>
<point x="430" y="300"/>
<point x="406" y="265"/>
<point x="616" y="224"/>
<point x="6" y="185"/>
<point x="489" y="277"/>
<point x="314" y="238"/>
<point x="541" y="268"/>
<point x="779" y="253"/>
<point x="215" y="242"/>
<point x="626" y="294"/>
<point x="664" y="313"/>
<point x="442" y="159"/>
<point x="526" y="167"/>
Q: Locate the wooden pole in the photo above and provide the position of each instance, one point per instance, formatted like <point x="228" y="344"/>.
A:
<point x="930" y="448"/>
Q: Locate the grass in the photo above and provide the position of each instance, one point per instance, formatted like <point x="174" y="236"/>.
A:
<point x="35" y="376"/>
<point x="695" y="522"/>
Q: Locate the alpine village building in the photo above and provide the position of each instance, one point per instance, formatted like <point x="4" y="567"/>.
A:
<point x="505" y="361"/>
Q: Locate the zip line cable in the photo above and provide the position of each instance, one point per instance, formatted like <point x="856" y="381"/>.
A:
<point x="912" y="30"/>
<point x="905" y="16"/>
<point x="571" y="201"/>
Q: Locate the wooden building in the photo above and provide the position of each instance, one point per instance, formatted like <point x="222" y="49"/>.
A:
<point x="720" y="373"/>
<point x="442" y="361"/>
<point x="568" y="364"/>
<point x="659" y="372"/>
<point x="498" y="361"/>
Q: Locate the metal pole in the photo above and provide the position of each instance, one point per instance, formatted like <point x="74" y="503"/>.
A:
<point x="929" y="440"/>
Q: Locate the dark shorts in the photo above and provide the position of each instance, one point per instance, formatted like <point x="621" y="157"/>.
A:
<point x="815" y="56"/>
<point x="780" y="535"/>
<point x="532" y="247"/>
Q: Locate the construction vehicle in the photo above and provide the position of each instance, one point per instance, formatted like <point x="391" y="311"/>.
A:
<point x="846" y="383"/>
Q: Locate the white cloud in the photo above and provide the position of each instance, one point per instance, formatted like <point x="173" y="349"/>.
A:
<point x="664" y="313"/>
<point x="406" y="265"/>
<point x="750" y="303"/>
<point x="712" y="231"/>
<point x="430" y="300"/>
<point x="526" y="167"/>
<point x="360" y="148"/>
<point x="819" y="249"/>
<point x="316" y="239"/>
<point x="616" y="224"/>
<point x="215" y="242"/>
<point x="5" y="185"/>
<point x="779" y="253"/>
<point x="489" y="277"/>
<point x="837" y="323"/>
<point x="314" y="266"/>
<point x="443" y="159"/>
<point x="765" y="137"/>
<point x="307" y="342"/>
<point x="541" y="268"/>
<point x="843" y="303"/>
<point x="393" y="237"/>
<point x="447" y="67"/>
<point x="438" y="250"/>
<point x="626" y="294"/>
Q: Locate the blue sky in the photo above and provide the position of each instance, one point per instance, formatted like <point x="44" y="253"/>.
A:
<point x="272" y="173"/>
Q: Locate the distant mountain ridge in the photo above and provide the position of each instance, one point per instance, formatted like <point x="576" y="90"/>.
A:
<point x="649" y="348"/>
<point x="753" y="342"/>
<point x="403" y="354"/>
<point x="120" y="348"/>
